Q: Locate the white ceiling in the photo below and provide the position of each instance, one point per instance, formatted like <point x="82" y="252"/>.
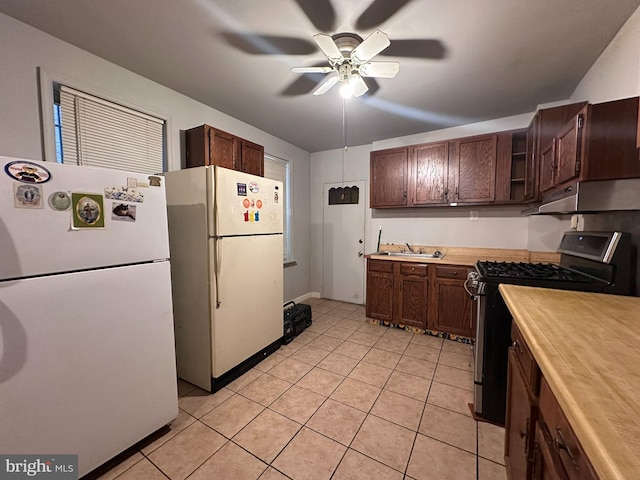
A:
<point x="497" y="57"/>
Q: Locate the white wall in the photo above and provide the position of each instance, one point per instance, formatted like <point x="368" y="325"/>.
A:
<point x="24" y="49"/>
<point x="616" y="73"/>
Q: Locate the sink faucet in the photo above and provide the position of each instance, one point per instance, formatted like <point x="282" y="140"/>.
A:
<point x="409" y="247"/>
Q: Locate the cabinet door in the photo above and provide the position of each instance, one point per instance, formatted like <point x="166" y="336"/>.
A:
<point x="548" y="166"/>
<point x="546" y="464"/>
<point x="389" y="178"/>
<point x="519" y="423"/>
<point x="531" y="164"/>
<point x="429" y="169"/>
<point x="252" y="158"/>
<point x="565" y="442"/>
<point x="569" y="152"/>
<point x="455" y="313"/>
<point x="474" y="170"/>
<point x="223" y="149"/>
<point x="380" y="290"/>
<point x="412" y="285"/>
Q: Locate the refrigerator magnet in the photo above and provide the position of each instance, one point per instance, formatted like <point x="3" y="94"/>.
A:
<point x="27" y="172"/>
<point x="254" y="187"/>
<point x="27" y="196"/>
<point x="123" y="213"/>
<point x="59" y="201"/>
<point x="88" y="210"/>
<point x="123" y="194"/>
<point x="241" y="188"/>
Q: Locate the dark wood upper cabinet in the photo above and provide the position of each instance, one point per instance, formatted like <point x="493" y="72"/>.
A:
<point x="511" y="166"/>
<point x="206" y="145"/>
<point x="252" y="158"/>
<point x="472" y="167"/>
<point x="562" y="145"/>
<point x="429" y="172"/>
<point x="389" y="177"/>
<point x="599" y="142"/>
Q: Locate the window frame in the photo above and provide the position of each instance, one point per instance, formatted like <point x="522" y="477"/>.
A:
<point x="288" y="210"/>
<point x="48" y="77"/>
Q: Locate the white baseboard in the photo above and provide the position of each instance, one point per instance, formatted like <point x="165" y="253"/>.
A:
<point x="303" y="297"/>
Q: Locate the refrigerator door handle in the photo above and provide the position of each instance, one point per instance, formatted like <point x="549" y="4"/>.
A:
<point x="216" y="251"/>
<point x="216" y="271"/>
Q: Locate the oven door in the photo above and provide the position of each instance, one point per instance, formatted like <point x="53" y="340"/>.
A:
<point x="478" y="370"/>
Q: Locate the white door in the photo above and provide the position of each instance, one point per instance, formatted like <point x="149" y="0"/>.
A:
<point x="343" y="246"/>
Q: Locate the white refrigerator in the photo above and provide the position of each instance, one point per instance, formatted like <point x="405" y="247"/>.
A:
<point x="225" y="236"/>
<point x="87" y="360"/>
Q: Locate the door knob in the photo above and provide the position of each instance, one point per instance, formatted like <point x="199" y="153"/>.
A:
<point x="360" y="253"/>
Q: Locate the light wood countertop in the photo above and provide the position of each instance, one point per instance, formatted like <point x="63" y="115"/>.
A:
<point x="468" y="256"/>
<point x="588" y="348"/>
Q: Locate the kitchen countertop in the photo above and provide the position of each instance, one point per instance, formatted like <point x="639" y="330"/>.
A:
<point x="586" y="345"/>
<point x="468" y="256"/>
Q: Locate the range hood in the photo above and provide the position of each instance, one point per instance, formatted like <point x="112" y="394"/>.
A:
<point x="591" y="197"/>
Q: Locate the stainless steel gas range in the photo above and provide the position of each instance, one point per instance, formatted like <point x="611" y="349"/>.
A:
<point x="590" y="261"/>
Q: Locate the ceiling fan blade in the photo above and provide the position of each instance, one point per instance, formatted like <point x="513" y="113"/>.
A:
<point x="378" y="12"/>
<point x="370" y="47"/>
<point x="268" y="44"/>
<point x="417" y="48"/>
<point x="320" y="12"/>
<point x="312" y="69"/>
<point x="328" y="82"/>
<point x="329" y="47"/>
<point x="379" y="69"/>
<point x="358" y="85"/>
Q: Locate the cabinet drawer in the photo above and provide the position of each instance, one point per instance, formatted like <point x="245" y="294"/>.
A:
<point x="413" y="269"/>
<point x="564" y="441"/>
<point x="526" y="360"/>
<point x="451" y="272"/>
<point x="384" y="266"/>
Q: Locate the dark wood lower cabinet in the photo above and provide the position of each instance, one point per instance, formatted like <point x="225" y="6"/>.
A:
<point x="539" y="442"/>
<point x="411" y="294"/>
<point x="520" y="422"/>
<point x="419" y="295"/>
<point x="380" y="290"/>
<point x="452" y="310"/>
<point x="546" y="464"/>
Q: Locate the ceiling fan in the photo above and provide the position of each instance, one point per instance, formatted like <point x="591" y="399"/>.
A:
<point x="349" y="61"/>
<point x="339" y="48"/>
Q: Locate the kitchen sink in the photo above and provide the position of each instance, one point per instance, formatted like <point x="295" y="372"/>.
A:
<point x="436" y="254"/>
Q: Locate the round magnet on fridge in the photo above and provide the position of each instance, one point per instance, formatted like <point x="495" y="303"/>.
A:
<point x="60" y="201"/>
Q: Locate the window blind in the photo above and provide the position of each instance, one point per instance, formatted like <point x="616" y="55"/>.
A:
<point x="99" y="133"/>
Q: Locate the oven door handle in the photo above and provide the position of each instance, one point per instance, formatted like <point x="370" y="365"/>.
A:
<point x="466" y="289"/>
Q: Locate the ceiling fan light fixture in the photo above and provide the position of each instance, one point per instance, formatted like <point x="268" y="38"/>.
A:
<point x="346" y="89"/>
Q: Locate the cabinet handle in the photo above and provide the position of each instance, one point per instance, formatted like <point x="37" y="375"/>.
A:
<point x="561" y="444"/>
<point x="523" y="435"/>
<point x="517" y="346"/>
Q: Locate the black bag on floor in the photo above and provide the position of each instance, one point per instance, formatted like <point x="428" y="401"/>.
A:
<point x="297" y="317"/>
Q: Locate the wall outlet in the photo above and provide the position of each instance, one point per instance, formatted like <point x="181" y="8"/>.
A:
<point x="473" y="215"/>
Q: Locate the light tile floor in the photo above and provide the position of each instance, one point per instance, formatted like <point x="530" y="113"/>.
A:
<point x="345" y="400"/>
